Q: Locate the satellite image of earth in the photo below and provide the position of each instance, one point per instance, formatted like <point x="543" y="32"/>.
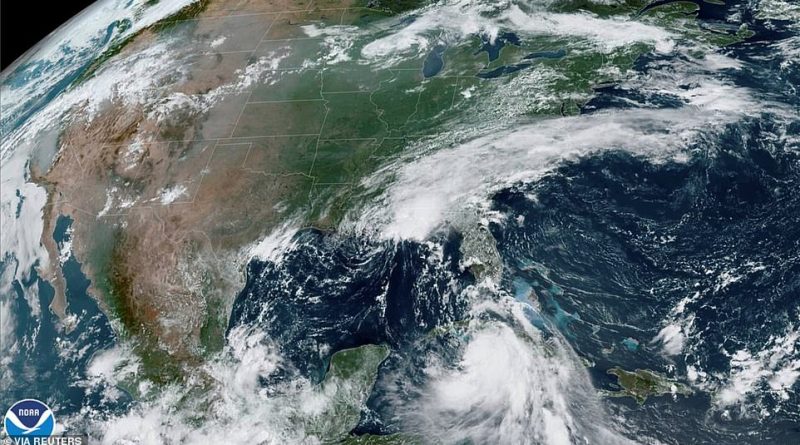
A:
<point x="406" y="222"/>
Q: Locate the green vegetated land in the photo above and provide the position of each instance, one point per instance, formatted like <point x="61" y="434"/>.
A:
<point x="371" y="115"/>
<point x="642" y="383"/>
<point x="345" y="389"/>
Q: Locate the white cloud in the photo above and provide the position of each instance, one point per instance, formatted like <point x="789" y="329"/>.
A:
<point x="425" y="191"/>
<point x="171" y="194"/>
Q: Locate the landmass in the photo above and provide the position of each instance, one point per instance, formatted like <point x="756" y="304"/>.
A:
<point x="280" y="120"/>
<point x="642" y="384"/>
<point x="371" y="439"/>
<point x="345" y="389"/>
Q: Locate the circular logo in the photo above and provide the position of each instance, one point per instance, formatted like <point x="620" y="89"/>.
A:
<point x="29" y="417"/>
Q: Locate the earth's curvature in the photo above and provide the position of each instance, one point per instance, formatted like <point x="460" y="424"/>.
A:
<point x="406" y="222"/>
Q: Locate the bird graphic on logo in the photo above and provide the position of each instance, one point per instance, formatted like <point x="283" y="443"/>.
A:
<point x="29" y="417"/>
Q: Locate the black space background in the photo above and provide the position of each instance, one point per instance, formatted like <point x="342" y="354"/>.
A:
<point x="23" y="23"/>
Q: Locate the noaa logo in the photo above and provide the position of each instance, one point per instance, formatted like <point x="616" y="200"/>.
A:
<point x="28" y="418"/>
